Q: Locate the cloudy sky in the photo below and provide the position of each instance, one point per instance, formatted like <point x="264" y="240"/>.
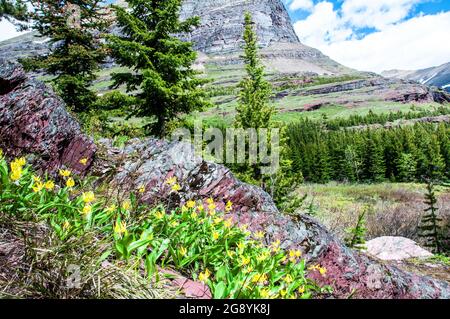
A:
<point x="372" y="35"/>
<point x="376" y="35"/>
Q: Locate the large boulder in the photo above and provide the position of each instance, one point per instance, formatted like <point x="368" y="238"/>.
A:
<point x="33" y="120"/>
<point x="150" y="162"/>
<point x="395" y="248"/>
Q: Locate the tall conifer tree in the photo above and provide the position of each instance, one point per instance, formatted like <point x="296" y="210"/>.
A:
<point x="253" y="110"/>
<point x="161" y="74"/>
<point x="75" y="28"/>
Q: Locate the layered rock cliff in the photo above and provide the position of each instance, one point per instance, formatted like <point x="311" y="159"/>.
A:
<point x="222" y="23"/>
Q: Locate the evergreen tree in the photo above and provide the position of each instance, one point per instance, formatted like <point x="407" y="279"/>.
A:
<point x="253" y="110"/>
<point x="353" y="162"/>
<point x="13" y="9"/>
<point x="75" y="28"/>
<point x="375" y="168"/>
<point x="160" y="62"/>
<point x="357" y="235"/>
<point x="406" y="167"/>
<point x="430" y="228"/>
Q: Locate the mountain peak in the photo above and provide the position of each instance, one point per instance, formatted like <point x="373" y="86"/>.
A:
<point x="222" y="23"/>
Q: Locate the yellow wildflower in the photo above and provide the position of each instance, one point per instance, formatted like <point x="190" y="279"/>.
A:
<point x="16" y="174"/>
<point x="323" y="271"/>
<point x="49" y="185"/>
<point x="183" y="251"/>
<point x="70" y="182"/>
<point x="301" y="290"/>
<point x="276" y="246"/>
<point x="83" y="161"/>
<point x="87" y="209"/>
<point x="228" y="223"/>
<point x="159" y="215"/>
<point x="288" y="279"/>
<point x="212" y="213"/>
<point x="172" y="180"/>
<point x="259" y="278"/>
<point x="66" y="225"/>
<point x="126" y="205"/>
<point x="283" y="293"/>
<point x="210" y="201"/>
<point x="263" y="256"/>
<point x="243" y="227"/>
<point x="112" y="208"/>
<point x="36" y="178"/>
<point x="64" y="172"/>
<point x="228" y="206"/>
<point x="204" y="276"/>
<point x="38" y="187"/>
<point x="120" y="228"/>
<point x="241" y="246"/>
<point x="218" y="220"/>
<point x="245" y="260"/>
<point x="88" y="197"/>
<point x="212" y="206"/>
<point x="190" y="204"/>
<point x="142" y="189"/>
<point x="174" y="224"/>
<point x="231" y="253"/>
<point x="259" y="234"/>
<point x="265" y="293"/>
<point x="248" y="269"/>
<point x="215" y="235"/>
<point x="21" y="161"/>
<point x="194" y="215"/>
<point x="176" y="188"/>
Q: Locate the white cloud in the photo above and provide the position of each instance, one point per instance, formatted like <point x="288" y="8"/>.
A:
<point x="414" y="44"/>
<point x="8" y="30"/>
<point x="300" y="5"/>
<point x="398" y="43"/>
<point x="376" y="13"/>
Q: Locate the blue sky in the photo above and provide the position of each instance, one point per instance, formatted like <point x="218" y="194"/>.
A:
<point x="376" y="35"/>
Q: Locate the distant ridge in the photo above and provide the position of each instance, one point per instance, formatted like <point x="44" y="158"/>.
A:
<point x="436" y="76"/>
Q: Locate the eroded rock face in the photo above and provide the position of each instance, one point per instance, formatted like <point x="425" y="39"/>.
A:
<point x="33" y="120"/>
<point x="222" y="23"/>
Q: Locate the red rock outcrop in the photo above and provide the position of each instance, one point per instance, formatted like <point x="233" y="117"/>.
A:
<point x="34" y="120"/>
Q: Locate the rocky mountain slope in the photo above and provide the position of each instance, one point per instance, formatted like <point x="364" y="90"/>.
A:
<point x="437" y="76"/>
<point x="34" y="121"/>
<point x="304" y="78"/>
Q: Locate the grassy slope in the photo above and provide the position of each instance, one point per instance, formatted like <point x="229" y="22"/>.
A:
<point x="223" y="91"/>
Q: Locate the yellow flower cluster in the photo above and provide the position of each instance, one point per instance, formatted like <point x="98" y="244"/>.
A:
<point x="173" y="182"/>
<point x="70" y="182"/>
<point x="319" y="268"/>
<point x="17" y="168"/>
<point x="204" y="276"/>
<point x="83" y="161"/>
<point x="39" y="185"/>
<point x="120" y="228"/>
